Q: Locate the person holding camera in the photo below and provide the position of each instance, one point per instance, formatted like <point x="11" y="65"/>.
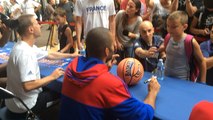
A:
<point x="127" y="23"/>
<point x="5" y="33"/>
<point x="147" y="47"/>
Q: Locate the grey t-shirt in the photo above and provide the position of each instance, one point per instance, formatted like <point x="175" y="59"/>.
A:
<point x="176" y="64"/>
<point x="69" y="8"/>
<point x="134" y="28"/>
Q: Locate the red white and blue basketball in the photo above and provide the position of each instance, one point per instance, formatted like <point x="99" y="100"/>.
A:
<point x="130" y="70"/>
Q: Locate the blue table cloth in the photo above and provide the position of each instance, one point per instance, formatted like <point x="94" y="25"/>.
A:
<point x="174" y="101"/>
<point x="5" y="51"/>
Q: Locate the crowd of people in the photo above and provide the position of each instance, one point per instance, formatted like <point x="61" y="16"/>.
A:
<point x="178" y="31"/>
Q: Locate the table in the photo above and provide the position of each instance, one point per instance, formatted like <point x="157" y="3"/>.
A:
<point x="5" y="51"/>
<point x="174" y="101"/>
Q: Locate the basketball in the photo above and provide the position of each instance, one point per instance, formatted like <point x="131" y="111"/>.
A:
<point x="130" y="70"/>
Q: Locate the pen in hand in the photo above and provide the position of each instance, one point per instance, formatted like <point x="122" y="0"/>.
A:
<point x="148" y="80"/>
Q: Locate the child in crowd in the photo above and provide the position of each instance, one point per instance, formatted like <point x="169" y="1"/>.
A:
<point x="64" y="32"/>
<point x="176" y="64"/>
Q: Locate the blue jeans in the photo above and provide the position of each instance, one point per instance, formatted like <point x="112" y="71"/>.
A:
<point x="125" y="53"/>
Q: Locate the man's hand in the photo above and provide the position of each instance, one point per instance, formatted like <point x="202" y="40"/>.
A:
<point x="119" y="46"/>
<point x="57" y="73"/>
<point x="154" y="86"/>
<point x="151" y="52"/>
<point x="113" y="61"/>
<point x="205" y="31"/>
<point x="115" y="46"/>
<point x="80" y="46"/>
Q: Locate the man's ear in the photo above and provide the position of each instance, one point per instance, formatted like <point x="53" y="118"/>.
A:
<point x="31" y="29"/>
<point x="185" y="26"/>
<point x="107" y="52"/>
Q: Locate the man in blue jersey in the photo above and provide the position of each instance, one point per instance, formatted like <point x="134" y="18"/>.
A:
<point x="91" y="92"/>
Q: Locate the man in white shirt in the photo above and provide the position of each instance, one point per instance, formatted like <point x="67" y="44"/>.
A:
<point x="23" y="70"/>
<point x="94" y="13"/>
<point x="30" y="7"/>
<point x="15" y="9"/>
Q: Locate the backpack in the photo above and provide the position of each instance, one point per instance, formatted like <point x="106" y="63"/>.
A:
<point x="194" y="69"/>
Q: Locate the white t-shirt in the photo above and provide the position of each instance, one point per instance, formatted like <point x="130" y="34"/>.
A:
<point x="158" y="9"/>
<point x="13" y="8"/>
<point x="95" y="13"/>
<point x="22" y="67"/>
<point x="28" y="7"/>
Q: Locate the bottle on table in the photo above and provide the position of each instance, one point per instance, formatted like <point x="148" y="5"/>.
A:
<point x="83" y="51"/>
<point x="160" y="70"/>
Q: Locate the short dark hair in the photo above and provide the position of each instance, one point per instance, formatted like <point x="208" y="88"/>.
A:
<point x="179" y="15"/>
<point x="60" y="11"/>
<point x="137" y="6"/>
<point x="97" y="40"/>
<point x="24" y="22"/>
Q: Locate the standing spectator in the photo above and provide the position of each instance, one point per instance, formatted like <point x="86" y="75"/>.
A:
<point x="91" y="92"/>
<point x="202" y="21"/>
<point x="64" y="32"/>
<point x="68" y="6"/>
<point x="207" y="50"/>
<point x="5" y="4"/>
<point x="15" y="9"/>
<point x="49" y="10"/>
<point x="23" y="71"/>
<point x="176" y="64"/>
<point x="127" y="24"/>
<point x="14" y="13"/>
<point x="190" y="6"/>
<point x="117" y="5"/>
<point x="146" y="47"/>
<point x="30" y="7"/>
<point x="159" y="10"/>
<point x="94" y="13"/>
<point x="49" y="16"/>
<point x="39" y="11"/>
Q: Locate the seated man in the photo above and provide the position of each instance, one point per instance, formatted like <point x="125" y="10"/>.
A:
<point x="207" y="50"/>
<point x="91" y="92"/>
<point x="23" y="70"/>
<point x="146" y="47"/>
